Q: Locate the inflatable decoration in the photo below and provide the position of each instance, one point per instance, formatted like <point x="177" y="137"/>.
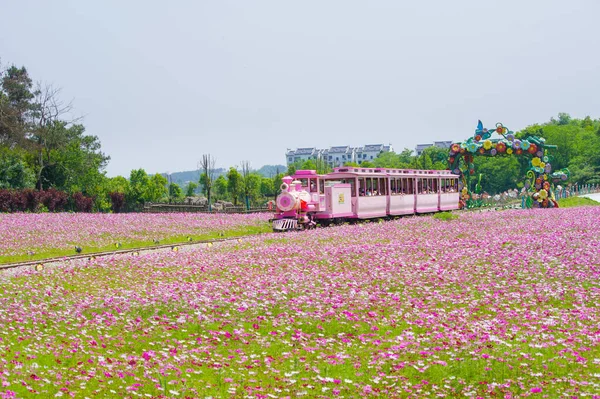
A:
<point x="540" y="178"/>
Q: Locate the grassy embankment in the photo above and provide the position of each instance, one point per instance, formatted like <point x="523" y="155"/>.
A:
<point x="138" y="244"/>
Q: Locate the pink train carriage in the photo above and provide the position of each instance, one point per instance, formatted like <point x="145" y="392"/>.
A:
<point x="355" y="193"/>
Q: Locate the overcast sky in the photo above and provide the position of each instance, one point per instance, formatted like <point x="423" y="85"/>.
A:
<point x="160" y="83"/>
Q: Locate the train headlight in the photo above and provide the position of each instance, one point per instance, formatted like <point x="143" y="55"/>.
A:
<point x="286" y="201"/>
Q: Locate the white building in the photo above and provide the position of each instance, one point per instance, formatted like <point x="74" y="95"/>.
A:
<point x="337" y="155"/>
<point x="440" y="144"/>
<point x="301" y="154"/>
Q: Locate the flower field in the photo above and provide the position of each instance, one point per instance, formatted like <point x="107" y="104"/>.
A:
<point x="492" y="304"/>
<point x="56" y="234"/>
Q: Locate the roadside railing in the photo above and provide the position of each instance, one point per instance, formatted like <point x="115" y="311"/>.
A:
<point x="172" y="208"/>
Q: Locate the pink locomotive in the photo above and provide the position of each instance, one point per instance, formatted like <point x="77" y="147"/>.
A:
<point x="355" y="193"/>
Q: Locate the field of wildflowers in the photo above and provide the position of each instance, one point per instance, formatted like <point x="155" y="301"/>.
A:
<point x="493" y="304"/>
<point x="25" y="236"/>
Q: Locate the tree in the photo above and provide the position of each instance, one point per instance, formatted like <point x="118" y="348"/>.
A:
<point x="247" y="186"/>
<point x="220" y="187"/>
<point x="500" y="173"/>
<point x="367" y="164"/>
<point x="117" y="184"/>
<point x="309" y="164"/>
<point x="47" y="129"/>
<point x="14" y="172"/>
<point x="405" y="157"/>
<point x="175" y="192"/>
<point x="207" y="165"/>
<point x="387" y="160"/>
<point x="234" y="184"/>
<point x="157" y="188"/>
<point x="138" y="188"/>
<point x="190" y="190"/>
<point x="15" y="105"/>
<point x="267" y="188"/>
<point x="80" y="163"/>
<point x="277" y="181"/>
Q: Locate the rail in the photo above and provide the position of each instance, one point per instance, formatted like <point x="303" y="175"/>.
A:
<point x="39" y="264"/>
<point x="167" y="208"/>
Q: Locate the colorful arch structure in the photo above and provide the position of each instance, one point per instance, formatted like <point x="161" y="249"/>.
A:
<point x="539" y="180"/>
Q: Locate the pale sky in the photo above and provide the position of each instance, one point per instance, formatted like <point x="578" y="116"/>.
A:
<point x="162" y="82"/>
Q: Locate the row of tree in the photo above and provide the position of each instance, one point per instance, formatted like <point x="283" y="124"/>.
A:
<point x="578" y="142"/>
<point x="44" y="146"/>
<point x="578" y="149"/>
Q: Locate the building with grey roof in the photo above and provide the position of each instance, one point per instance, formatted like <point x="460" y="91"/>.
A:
<point x="337" y="155"/>
<point x="440" y="144"/>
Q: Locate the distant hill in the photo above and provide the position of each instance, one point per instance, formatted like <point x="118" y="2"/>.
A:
<point x="271" y="170"/>
<point x="183" y="178"/>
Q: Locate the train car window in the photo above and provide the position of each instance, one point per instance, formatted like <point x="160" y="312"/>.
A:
<point x="434" y="186"/>
<point x="393" y="189"/>
<point x="321" y="186"/>
<point x="361" y="187"/>
<point x="455" y="185"/>
<point x="304" y="183"/>
<point x="313" y="185"/>
<point x="420" y="186"/>
<point x="383" y="189"/>
<point x="352" y="186"/>
<point x="369" y="187"/>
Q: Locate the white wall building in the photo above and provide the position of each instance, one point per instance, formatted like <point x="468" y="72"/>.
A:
<point x="337" y="155"/>
<point x="441" y="144"/>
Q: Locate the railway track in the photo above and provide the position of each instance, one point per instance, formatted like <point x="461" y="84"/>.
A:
<point x="39" y="264"/>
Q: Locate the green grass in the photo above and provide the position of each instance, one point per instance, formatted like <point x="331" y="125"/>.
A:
<point x="138" y="244"/>
<point x="446" y="216"/>
<point x="577" y="201"/>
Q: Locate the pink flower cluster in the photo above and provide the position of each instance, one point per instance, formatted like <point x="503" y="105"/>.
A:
<point x="493" y="304"/>
<point x="40" y="232"/>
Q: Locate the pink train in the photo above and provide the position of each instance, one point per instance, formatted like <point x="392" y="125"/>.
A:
<point x="355" y="193"/>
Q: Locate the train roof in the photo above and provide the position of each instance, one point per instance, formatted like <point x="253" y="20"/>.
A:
<point x="390" y="172"/>
<point x="358" y="171"/>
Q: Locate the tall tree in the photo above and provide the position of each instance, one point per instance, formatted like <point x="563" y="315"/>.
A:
<point x="220" y="188"/>
<point x="207" y="165"/>
<point x="15" y="105"/>
<point x="48" y="127"/>
<point x="138" y="188"/>
<point x="234" y="184"/>
<point x="14" y="172"/>
<point x="175" y="192"/>
<point x="245" y="166"/>
<point x="190" y="189"/>
<point x="157" y="188"/>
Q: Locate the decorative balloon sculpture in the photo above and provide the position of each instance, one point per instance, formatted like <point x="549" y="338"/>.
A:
<point x="539" y="182"/>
